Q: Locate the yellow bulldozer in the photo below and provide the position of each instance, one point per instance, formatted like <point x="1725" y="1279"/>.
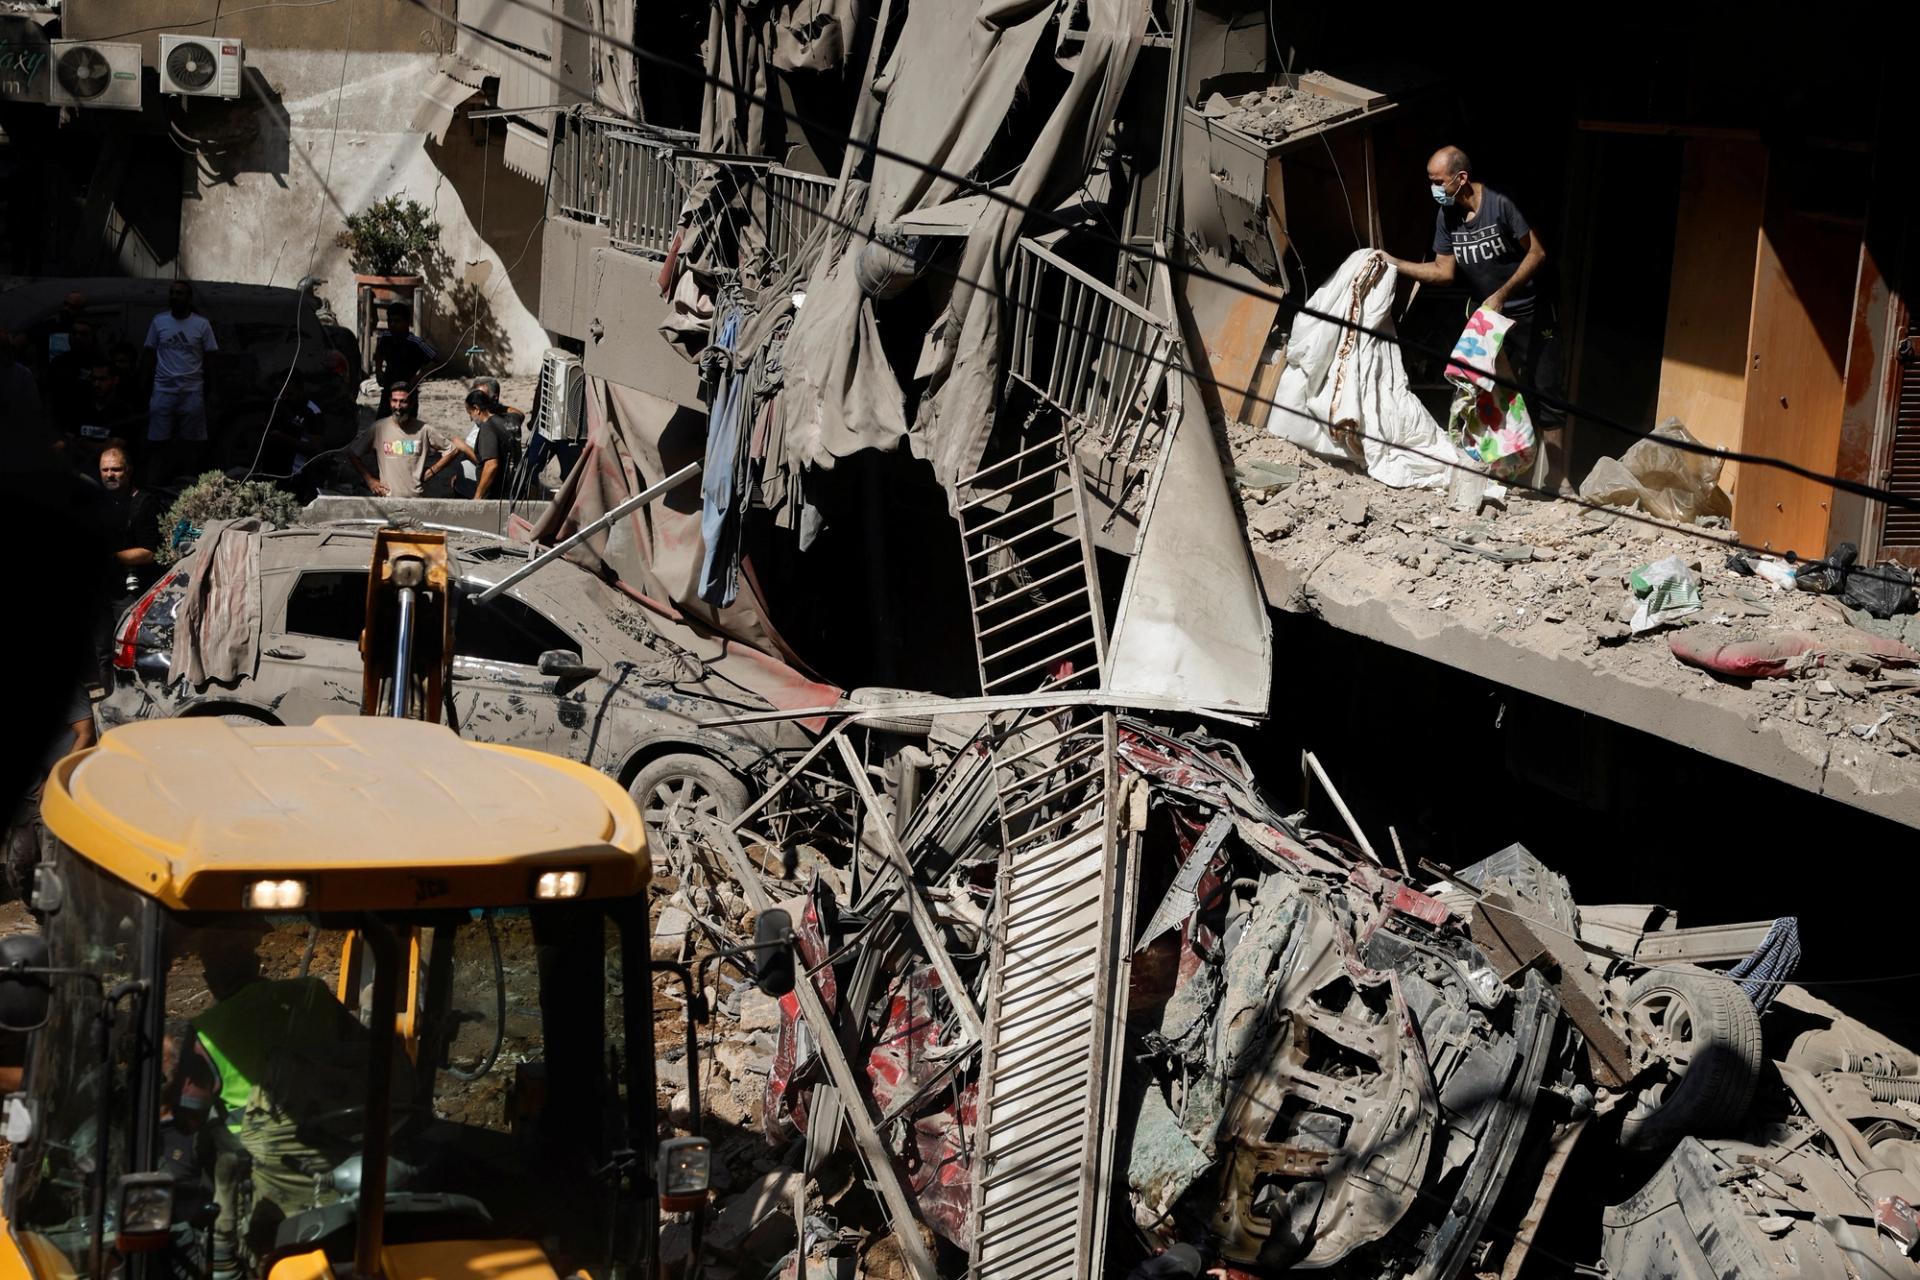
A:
<point x="350" y="999"/>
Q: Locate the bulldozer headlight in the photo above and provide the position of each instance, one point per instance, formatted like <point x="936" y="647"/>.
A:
<point x="685" y="1167"/>
<point x="560" y="884"/>
<point x="144" y="1211"/>
<point x="276" y="895"/>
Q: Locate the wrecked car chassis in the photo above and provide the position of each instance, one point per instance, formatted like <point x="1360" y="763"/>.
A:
<point x="1315" y="1064"/>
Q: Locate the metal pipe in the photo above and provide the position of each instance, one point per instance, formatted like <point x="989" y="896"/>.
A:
<point x="1341" y="805"/>
<point x="587" y="530"/>
<point x="402" y="654"/>
<point x="378" y="1141"/>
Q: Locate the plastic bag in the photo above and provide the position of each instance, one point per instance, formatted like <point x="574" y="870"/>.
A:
<point x="1489" y="422"/>
<point x="1882" y="590"/>
<point x="1673" y="484"/>
<point x="1667" y="590"/>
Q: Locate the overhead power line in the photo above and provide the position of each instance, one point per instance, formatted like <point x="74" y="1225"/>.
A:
<point x="1052" y="218"/>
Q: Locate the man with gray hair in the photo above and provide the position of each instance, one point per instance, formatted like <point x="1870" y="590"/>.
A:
<point x="1482" y="240"/>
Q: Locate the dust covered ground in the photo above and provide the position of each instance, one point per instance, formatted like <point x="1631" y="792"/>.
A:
<point x="1551" y="577"/>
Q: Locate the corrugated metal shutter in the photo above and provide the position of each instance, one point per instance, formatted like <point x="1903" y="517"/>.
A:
<point x="1901" y="532"/>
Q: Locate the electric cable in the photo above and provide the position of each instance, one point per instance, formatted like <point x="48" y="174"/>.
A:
<point x="1199" y="271"/>
<point x="319" y="219"/>
<point x="1249" y="394"/>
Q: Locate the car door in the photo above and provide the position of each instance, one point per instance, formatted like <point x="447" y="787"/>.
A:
<point x="499" y="694"/>
<point x="310" y="643"/>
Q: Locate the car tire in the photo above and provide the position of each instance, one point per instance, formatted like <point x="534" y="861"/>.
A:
<point x="1708" y="1032"/>
<point x="672" y="789"/>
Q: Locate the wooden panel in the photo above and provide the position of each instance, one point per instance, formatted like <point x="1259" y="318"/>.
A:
<point x="1703" y="369"/>
<point x="1802" y="302"/>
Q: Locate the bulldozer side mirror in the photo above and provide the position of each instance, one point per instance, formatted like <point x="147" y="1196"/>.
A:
<point x="26" y="996"/>
<point x="773" y="952"/>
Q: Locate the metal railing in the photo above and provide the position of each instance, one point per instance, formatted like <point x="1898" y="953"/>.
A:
<point x="609" y="171"/>
<point x="635" y="180"/>
<point x="796" y="205"/>
<point x="1098" y="357"/>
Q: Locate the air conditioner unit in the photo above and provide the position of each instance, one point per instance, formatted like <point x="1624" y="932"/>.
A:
<point x="201" y="66"/>
<point x="563" y="396"/>
<point x="87" y="73"/>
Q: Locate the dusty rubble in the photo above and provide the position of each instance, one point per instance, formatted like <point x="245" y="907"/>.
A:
<point x="1552" y="577"/>
<point x="1273" y="113"/>
<point x="1326" y="1062"/>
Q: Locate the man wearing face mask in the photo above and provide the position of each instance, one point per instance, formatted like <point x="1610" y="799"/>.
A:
<point x="1481" y="238"/>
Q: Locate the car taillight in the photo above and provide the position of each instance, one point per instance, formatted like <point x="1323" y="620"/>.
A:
<point x="123" y="654"/>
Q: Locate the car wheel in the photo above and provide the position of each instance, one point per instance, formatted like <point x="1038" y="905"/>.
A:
<point x="1701" y="1035"/>
<point x="675" y="790"/>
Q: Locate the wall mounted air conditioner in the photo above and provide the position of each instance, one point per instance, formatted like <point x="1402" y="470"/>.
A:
<point x="88" y="73"/>
<point x="563" y="396"/>
<point x="201" y="66"/>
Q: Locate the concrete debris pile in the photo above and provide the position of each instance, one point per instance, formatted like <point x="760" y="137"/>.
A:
<point x="1559" y="581"/>
<point x="1317" y="1061"/>
<point x="1273" y="113"/>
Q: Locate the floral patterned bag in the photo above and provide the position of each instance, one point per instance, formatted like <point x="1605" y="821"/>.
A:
<point x="1490" y="423"/>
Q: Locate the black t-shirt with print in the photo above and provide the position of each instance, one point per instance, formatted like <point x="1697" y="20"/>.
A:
<point x="1486" y="249"/>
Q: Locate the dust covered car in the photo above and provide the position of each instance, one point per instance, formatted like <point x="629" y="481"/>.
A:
<point x="560" y="662"/>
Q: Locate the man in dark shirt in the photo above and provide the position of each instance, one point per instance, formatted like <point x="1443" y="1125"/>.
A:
<point x="70" y="375"/>
<point x="133" y="525"/>
<point x="1482" y="240"/>
<point x="401" y="356"/>
<point x="487" y="437"/>
<point x="107" y="411"/>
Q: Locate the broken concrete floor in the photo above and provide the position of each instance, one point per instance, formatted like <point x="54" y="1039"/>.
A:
<point x="1535" y="596"/>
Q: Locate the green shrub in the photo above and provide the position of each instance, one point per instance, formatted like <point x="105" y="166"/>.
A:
<point x="390" y="237"/>
<point x="215" y="497"/>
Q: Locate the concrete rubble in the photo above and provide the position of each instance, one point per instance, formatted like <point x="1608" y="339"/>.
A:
<point x="1327" y="1062"/>
<point x="1545" y="582"/>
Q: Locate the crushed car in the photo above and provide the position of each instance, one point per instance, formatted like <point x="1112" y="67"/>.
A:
<point x="561" y="662"/>
<point x="1331" y="1064"/>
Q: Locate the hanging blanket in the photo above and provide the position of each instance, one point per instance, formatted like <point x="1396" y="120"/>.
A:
<point x="1344" y="392"/>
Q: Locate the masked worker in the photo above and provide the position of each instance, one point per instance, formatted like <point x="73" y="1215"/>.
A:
<point x="1482" y="240"/>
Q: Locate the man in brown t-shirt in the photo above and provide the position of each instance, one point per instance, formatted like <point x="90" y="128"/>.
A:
<point x="399" y="446"/>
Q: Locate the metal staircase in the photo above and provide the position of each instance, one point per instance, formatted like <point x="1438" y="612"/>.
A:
<point x="1042" y="1162"/>
<point x="1034" y="591"/>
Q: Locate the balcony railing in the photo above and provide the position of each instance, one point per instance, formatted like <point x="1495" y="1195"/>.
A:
<point x="1098" y="357"/>
<point x="635" y="180"/>
<point x="627" y="178"/>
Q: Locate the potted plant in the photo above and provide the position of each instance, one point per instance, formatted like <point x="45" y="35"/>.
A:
<point x="387" y="243"/>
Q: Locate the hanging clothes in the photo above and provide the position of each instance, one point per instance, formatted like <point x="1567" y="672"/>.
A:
<point x="1344" y="392"/>
<point x="724" y="475"/>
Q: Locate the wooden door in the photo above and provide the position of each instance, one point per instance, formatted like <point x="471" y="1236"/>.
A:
<point x="1796" y="376"/>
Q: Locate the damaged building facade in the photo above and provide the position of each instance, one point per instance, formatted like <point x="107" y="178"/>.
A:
<point x="957" y="346"/>
<point x="249" y="181"/>
<point x="941" y="353"/>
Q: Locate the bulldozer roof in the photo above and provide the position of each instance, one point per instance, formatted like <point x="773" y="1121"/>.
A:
<point x="361" y="813"/>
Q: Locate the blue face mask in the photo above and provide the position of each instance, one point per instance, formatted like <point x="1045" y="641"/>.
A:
<point x="1440" y="195"/>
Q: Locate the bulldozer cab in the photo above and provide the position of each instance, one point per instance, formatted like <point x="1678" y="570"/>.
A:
<point x="355" y="998"/>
